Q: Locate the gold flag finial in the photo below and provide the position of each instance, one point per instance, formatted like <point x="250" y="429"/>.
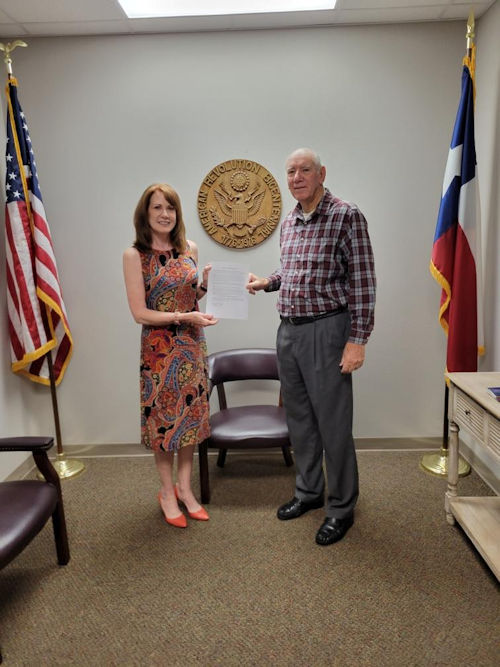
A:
<point x="7" y="49"/>
<point x="470" y="34"/>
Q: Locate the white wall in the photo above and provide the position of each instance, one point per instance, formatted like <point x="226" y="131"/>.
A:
<point x="109" y="115"/>
<point x="488" y="151"/>
<point x="487" y="118"/>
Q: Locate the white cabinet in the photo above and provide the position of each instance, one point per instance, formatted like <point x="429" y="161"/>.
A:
<point x="472" y="409"/>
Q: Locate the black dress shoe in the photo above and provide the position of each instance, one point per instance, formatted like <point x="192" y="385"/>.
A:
<point x="332" y="530"/>
<point x="296" y="507"/>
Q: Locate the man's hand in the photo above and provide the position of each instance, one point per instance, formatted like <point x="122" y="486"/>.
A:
<point x="255" y="284"/>
<point x="352" y="357"/>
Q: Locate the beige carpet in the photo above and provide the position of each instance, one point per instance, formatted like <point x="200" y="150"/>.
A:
<point x="403" y="587"/>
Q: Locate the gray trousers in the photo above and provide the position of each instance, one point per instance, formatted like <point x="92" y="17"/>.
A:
<point x="318" y="404"/>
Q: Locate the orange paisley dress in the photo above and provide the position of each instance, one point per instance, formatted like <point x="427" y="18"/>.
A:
<point x="173" y="371"/>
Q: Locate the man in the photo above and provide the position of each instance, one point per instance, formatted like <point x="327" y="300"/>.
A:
<point x="326" y="284"/>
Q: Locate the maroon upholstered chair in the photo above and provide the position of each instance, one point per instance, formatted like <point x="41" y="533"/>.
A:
<point x="27" y="505"/>
<point x="245" y="427"/>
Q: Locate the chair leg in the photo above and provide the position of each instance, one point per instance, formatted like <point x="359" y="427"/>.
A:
<point x="58" y="521"/>
<point x="204" y="480"/>
<point x="60" y="535"/>
<point x="221" y="459"/>
<point x="287" y="456"/>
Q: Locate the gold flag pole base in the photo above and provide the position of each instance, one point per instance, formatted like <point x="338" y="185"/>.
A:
<point x="66" y="468"/>
<point x="437" y="464"/>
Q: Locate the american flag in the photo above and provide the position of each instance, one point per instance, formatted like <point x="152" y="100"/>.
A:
<point x="456" y="253"/>
<point x="37" y="316"/>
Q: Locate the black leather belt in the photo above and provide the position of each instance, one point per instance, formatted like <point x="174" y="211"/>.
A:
<point x="307" y="319"/>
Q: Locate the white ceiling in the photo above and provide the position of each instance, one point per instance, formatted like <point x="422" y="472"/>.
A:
<point x="24" y="18"/>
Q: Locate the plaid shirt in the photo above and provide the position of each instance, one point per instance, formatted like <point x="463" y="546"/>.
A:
<point x="327" y="263"/>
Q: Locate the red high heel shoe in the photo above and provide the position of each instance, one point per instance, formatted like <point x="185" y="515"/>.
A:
<point x="178" y="521"/>
<point x="199" y="515"/>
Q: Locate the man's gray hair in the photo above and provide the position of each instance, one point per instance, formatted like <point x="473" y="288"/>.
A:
<point x="310" y="153"/>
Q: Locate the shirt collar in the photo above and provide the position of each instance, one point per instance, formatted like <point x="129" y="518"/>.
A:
<point x="304" y="218"/>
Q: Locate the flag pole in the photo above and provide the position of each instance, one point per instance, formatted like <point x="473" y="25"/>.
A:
<point x="470" y="34"/>
<point x="64" y="467"/>
<point x="437" y="464"/>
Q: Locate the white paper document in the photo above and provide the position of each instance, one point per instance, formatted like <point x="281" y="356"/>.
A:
<point x="227" y="297"/>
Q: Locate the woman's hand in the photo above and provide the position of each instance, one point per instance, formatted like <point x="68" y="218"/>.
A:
<point x="206" y="271"/>
<point x="201" y="290"/>
<point x="199" y="319"/>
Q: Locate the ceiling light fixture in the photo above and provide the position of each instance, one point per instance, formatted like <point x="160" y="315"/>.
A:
<point x="169" y="8"/>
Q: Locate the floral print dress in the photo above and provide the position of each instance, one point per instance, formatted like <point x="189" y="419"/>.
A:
<point x="173" y="372"/>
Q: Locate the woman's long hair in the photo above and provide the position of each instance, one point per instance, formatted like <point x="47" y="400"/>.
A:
<point x="143" y="236"/>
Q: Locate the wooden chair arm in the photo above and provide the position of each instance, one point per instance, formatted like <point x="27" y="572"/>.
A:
<point x="38" y="446"/>
<point x="26" y="444"/>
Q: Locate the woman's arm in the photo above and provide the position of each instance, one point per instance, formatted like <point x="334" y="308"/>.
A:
<point x="136" y="295"/>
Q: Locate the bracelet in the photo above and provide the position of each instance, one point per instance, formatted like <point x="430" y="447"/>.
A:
<point x="202" y="287"/>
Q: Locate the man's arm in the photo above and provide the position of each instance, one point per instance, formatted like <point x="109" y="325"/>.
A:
<point x="362" y="289"/>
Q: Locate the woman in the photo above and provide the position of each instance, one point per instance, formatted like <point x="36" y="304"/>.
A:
<point x="161" y="278"/>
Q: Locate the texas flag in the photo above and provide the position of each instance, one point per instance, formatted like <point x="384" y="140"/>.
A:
<point x="456" y="253"/>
